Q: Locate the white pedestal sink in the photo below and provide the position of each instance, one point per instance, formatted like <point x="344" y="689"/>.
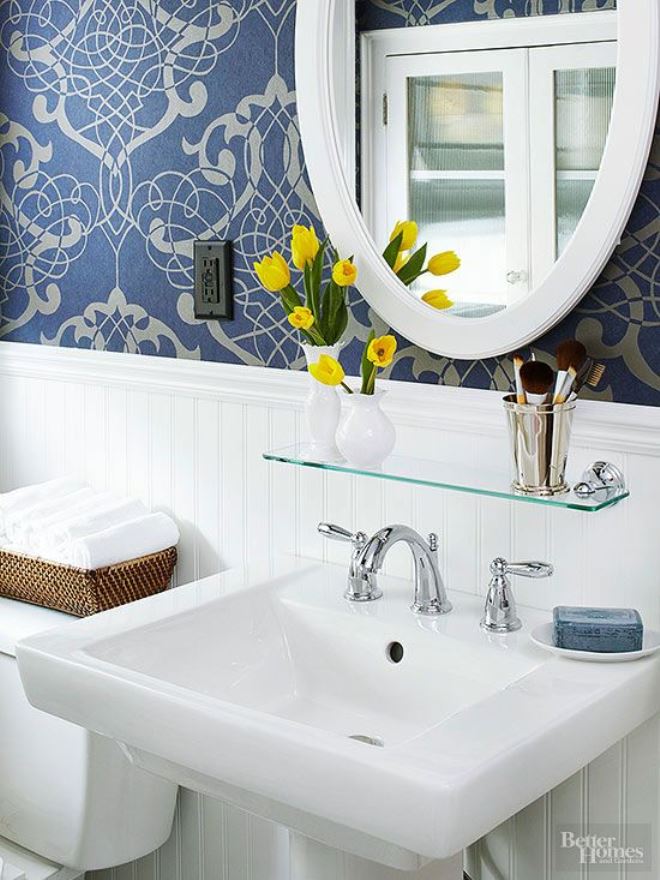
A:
<point x="252" y="687"/>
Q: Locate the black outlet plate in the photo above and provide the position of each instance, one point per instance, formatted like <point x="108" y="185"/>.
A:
<point x="214" y="297"/>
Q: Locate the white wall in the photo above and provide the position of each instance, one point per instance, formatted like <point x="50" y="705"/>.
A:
<point x="187" y="437"/>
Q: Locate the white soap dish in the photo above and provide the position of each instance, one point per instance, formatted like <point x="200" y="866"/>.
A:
<point x="542" y="636"/>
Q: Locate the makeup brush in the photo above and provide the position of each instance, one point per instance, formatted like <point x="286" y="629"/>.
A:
<point x="520" y="391"/>
<point x="537" y="380"/>
<point x="589" y="374"/>
<point x="596" y="373"/>
<point x="569" y="353"/>
<point x="583" y="374"/>
<point x="564" y="393"/>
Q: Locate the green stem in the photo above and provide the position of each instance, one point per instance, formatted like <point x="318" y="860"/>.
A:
<point x="369" y="381"/>
<point x="372" y="383"/>
<point x="307" y="284"/>
<point x="315" y="336"/>
<point x="346" y="388"/>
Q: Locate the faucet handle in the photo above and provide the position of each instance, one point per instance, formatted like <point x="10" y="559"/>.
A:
<point x="501" y="567"/>
<point x="362" y="586"/>
<point x="338" y="533"/>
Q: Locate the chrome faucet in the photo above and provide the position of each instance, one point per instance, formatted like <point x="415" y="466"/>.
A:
<point x="368" y="558"/>
<point x="500" y="615"/>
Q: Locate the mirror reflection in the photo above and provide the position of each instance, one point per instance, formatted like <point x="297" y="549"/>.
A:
<point x="492" y="152"/>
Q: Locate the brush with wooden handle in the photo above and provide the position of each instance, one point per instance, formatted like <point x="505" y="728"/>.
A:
<point x="567" y="388"/>
<point x="520" y="391"/>
<point x="571" y="356"/>
<point x="537" y="380"/>
<point x="583" y="375"/>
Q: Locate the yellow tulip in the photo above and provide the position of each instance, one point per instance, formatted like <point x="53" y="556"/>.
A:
<point x="437" y="299"/>
<point x="381" y="351"/>
<point x="301" y="318"/>
<point x="273" y="272"/>
<point x="327" y="370"/>
<point x="344" y="273"/>
<point x="304" y="246"/>
<point x="409" y="230"/>
<point x="444" y="263"/>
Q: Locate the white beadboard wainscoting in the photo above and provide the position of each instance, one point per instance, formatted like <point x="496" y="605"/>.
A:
<point x="187" y="438"/>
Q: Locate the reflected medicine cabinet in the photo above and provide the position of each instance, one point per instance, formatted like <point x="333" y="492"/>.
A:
<point x="494" y="153"/>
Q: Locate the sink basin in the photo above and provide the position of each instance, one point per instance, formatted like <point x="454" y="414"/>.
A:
<point x="298" y="652"/>
<point x="362" y="726"/>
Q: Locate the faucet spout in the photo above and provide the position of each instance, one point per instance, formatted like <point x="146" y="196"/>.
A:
<point x="430" y="594"/>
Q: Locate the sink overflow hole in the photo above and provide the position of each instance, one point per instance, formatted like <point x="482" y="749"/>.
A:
<point x="369" y="740"/>
<point x="395" y="652"/>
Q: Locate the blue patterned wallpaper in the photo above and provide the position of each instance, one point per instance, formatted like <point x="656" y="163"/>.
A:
<point x="129" y="128"/>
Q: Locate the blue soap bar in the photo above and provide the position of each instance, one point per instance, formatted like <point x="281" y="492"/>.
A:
<point x="607" y="630"/>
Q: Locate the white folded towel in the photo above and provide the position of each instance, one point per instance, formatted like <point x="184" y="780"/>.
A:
<point x="103" y="512"/>
<point x="12" y="503"/>
<point x="25" y="528"/>
<point x="23" y="513"/>
<point x="128" y="540"/>
<point x="95" y="501"/>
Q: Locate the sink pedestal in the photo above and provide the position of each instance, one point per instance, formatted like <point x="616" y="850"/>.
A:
<point x="316" y="861"/>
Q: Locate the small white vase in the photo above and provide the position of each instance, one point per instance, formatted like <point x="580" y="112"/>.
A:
<point x="366" y="436"/>
<point x="322" y="407"/>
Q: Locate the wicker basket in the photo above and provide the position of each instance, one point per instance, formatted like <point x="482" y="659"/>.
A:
<point x="81" y="592"/>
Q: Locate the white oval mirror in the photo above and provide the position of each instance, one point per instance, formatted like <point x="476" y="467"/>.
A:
<point x="519" y="144"/>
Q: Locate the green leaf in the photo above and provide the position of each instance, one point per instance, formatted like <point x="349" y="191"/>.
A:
<point x="366" y="365"/>
<point x="369" y="381"/>
<point x="307" y="278"/>
<point x="290" y="299"/>
<point x="335" y="313"/>
<point x="325" y="324"/>
<point x="314" y="335"/>
<point x="342" y="322"/>
<point x="414" y="267"/>
<point x="322" y="322"/>
<point x="315" y="275"/>
<point x="391" y="252"/>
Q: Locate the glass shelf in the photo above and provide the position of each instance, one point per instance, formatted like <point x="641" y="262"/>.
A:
<point x="445" y="475"/>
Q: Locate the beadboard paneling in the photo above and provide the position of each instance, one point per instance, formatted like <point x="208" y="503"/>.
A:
<point x="188" y="437"/>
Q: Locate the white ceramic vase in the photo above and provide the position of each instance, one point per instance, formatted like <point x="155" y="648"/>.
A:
<point x="366" y="436"/>
<point x="322" y="408"/>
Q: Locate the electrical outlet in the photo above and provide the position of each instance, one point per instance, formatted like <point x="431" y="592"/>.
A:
<point x="213" y="283"/>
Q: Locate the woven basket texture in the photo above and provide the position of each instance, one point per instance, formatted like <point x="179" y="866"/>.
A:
<point x="81" y="592"/>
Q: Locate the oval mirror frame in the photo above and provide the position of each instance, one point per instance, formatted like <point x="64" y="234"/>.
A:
<point x="599" y="231"/>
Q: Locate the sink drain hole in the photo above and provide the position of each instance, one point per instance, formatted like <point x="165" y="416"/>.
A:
<point x="395" y="652"/>
<point x="369" y="740"/>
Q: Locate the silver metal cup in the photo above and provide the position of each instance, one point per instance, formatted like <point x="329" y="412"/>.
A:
<point x="540" y="437"/>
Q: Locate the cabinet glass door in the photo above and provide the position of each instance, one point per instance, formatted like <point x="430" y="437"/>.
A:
<point x="566" y="145"/>
<point x="583" y="107"/>
<point x="456" y="185"/>
<point x="452" y="168"/>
